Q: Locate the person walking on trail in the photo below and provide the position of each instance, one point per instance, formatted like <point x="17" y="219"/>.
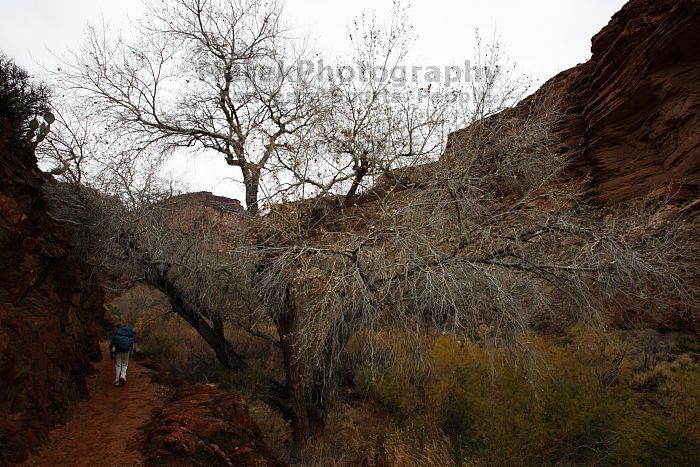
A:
<point x="120" y="349"/>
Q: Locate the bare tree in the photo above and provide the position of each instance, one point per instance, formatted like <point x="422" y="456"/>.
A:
<point x="226" y="76"/>
<point x="140" y="96"/>
<point x="381" y="118"/>
<point x="497" y="85"/>
<point x="128" y="223"/>
<point x="149" y="242"/>
<point x="491" y="242"/>
<point x="219" y="75"/>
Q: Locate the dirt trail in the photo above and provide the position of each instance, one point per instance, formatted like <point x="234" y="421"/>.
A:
<point x="101" y="430"/>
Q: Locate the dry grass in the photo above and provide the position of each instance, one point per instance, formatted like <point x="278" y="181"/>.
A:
<point x="277" y="432"/>
<point x="402" y="451"/>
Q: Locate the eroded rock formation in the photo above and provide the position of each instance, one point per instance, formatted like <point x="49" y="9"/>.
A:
<point x="203" y="425"/>
<point x="631" y="111"/>
<point x="195" y="210"/>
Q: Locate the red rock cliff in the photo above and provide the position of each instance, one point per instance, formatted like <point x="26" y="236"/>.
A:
<point x="50" y="308"/>
<point x="225" y="215"/>
<point x="631" y="111"/>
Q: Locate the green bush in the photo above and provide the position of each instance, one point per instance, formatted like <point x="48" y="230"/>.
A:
<point x="21" y="99"/>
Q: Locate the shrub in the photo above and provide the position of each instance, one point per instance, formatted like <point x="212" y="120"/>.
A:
<point x="20" y="98"/>
<point x="179" y="351"/>
<point x="481" y="401"/>
<point x="576" y="401"/>
<point x="395" y="387"/>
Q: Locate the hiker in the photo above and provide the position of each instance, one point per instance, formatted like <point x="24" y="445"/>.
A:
<point x="120" y="349"/>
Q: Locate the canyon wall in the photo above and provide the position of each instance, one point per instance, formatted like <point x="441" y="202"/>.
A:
<point x="50" y="308"/>
<point x="630" y="113"/>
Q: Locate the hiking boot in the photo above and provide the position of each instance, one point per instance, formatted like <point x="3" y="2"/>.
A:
<point x="122" y="381"/>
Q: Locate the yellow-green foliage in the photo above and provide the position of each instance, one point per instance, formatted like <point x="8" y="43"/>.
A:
<point x="397" y="387"/>
<point x="575" y="401"/>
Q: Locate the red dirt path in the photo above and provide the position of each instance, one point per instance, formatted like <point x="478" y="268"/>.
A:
<point x="102" y="429"/>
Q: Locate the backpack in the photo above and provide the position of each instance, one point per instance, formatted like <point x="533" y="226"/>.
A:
<point x="123" y="339"/>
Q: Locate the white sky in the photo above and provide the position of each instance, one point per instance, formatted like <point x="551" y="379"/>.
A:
<point x="542" y="37"/>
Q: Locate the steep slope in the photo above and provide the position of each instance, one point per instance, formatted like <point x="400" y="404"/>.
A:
<point x="50" y="308"/>
<point x="631" y="111"/>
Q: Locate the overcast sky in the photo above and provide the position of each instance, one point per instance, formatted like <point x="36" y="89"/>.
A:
<point x="542" y="37"/>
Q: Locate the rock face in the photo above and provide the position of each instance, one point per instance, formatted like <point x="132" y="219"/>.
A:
<point x="632" y="109"/>
<point x="631" y="113"/>
<point x="195" y="210"/>
<point x="203" y="425"/>
<point x="50" y="308"/>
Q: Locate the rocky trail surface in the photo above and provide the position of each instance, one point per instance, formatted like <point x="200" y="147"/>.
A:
<point x="102" y="430"/>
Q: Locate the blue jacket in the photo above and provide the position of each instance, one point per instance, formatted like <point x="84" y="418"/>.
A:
<point x="124" y="338"/>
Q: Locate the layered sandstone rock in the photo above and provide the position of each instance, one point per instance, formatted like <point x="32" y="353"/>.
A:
<point x="196" y="210"/>
<point x="203" y="425"/>
<point x="631" y="112"/>
<point x="50" y="308"/>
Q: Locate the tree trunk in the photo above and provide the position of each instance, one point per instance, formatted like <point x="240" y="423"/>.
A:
<point x="213" y="336"/>
<point x="306" y="406"/>
<point x="251" y="181"/>
<point x="293" y="375"/>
